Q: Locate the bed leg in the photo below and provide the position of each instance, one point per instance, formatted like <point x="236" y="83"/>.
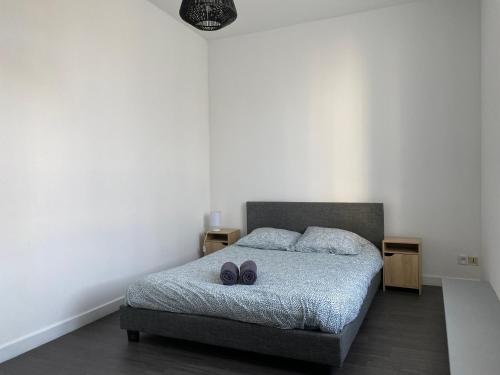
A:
<point x="133" y="336"/>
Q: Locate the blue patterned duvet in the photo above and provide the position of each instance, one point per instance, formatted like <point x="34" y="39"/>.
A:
<point x="293" y="290"/>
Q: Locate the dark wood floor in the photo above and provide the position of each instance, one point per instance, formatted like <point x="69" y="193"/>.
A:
<point x="402" y="334"/>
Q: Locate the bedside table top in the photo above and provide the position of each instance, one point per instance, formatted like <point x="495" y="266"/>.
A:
<point x="403" y="240"/>
<point x="223" y="231"/>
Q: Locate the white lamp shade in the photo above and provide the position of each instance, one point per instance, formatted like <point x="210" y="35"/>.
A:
<point x="215" y="219"/>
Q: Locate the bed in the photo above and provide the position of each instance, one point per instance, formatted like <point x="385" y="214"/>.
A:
<point x="202" y="310"/>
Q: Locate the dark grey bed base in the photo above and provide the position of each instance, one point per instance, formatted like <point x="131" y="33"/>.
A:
<point x="366" y="219"/>
<point x="313" y="346"/>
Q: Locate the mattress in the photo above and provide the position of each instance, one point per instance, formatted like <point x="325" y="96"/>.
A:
<point x="293" y="290"/>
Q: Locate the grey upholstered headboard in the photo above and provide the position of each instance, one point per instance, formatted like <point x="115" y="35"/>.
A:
<point x="365" y="219"/>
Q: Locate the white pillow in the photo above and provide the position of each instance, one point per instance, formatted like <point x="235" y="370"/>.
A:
<point x="270" y="239"/>
<point x="330" y="240"/>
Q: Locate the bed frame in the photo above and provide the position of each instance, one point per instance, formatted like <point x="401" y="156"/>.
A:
<point x="365" y="219"/>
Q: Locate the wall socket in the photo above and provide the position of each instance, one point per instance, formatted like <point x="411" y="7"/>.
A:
<point x="474" y="261"/>
<point x="465" y="260"/>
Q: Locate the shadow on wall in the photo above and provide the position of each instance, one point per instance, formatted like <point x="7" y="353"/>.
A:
<point x="338" y="139"/>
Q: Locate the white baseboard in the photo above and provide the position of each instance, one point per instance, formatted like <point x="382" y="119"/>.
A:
<point x="436" y="280"/>
<point x="42" y="336"/>
<point x="462" y="278"/>
<point x="433" y="280"/>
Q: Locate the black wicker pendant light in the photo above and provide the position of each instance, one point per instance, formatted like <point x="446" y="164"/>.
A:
<point x="208" y="15"/>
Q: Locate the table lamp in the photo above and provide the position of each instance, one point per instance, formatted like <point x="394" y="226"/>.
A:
<point x="215" y="221"/>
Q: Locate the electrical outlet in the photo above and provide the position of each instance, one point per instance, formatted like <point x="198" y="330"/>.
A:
<point x="474" y="261"/>
<point x="463" y="260"/>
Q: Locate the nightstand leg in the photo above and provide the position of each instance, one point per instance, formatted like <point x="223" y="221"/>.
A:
<point x="133" y="336"/>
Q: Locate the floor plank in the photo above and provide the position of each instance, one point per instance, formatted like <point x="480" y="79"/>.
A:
<point x="403" y="334"/>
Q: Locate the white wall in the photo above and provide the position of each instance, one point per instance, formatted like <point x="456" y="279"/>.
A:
<point x="491" y="141"/>
<point x="103" y="157"/>
<point x="379" y="106"/>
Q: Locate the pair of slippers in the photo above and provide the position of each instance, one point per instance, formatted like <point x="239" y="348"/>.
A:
<point x="230" y="274"/>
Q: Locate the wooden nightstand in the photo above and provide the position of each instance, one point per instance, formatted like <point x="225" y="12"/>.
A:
<point x="403" y="263"/>
<point x="215" y="241"/>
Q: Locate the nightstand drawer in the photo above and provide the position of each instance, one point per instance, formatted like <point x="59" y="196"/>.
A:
<point x="212" y="247"/>
<point x="216" y="240"/>
<point x="402" y="270"/>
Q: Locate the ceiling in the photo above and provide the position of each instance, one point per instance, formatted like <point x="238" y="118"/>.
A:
<point x="260" y="15"/>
